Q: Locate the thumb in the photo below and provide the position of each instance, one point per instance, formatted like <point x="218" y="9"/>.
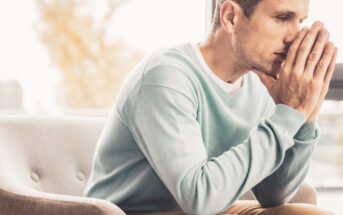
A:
<point x="267" y="80"/>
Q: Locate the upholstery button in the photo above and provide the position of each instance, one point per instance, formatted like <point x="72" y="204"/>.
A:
<point x="80" y="176"/>
<point x="34" y="177"/>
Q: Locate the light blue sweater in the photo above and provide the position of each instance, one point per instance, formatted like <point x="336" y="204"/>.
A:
<point x="175" y="140"/>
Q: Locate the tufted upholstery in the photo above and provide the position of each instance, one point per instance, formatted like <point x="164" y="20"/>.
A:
<point x="44" y="156"/>
<point x="45" y="162"/>
<point x="51" y="155"/>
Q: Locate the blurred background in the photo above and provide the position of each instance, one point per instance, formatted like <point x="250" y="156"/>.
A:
<point x="70" y="57"/>
<point x="74" y="54"/>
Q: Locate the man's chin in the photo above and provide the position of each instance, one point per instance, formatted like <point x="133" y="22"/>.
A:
<point x="272" y="74"/>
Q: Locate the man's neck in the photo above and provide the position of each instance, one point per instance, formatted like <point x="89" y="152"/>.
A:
<point x="219" y="56"/>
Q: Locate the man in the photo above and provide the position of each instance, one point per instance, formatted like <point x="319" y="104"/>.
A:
<point x="193" y="127"/>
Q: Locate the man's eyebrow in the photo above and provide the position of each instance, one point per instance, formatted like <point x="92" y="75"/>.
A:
<point x="288" y="12"/>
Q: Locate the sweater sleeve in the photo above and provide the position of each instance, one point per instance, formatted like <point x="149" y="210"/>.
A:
<point x="280" y="187"/>
<point x="165" y="128"/>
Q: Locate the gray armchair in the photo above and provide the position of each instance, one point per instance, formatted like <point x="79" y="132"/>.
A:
<point x="45" y="162"/>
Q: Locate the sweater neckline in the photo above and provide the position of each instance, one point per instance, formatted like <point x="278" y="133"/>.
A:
<point x="230" y="99"/>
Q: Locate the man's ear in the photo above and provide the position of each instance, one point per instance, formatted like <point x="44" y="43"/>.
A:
<point x="229" y="14"/>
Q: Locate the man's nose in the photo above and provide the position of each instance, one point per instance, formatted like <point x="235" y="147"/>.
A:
<point x="292" y="34"/>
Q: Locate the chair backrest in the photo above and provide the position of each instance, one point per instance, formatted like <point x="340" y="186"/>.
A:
<point x="48" y="153"/>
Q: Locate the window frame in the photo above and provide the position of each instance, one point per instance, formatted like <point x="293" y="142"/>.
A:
<point x="209" y="13"/>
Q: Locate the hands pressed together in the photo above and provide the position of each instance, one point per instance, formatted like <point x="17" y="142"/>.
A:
<point x="306" y="74"/>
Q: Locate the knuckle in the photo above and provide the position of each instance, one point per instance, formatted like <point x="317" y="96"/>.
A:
<point x="313" y="57"/>
<point x="303" y="48"/>
<point x="314" y="84"/>
<point x="285" y="70"/>
<point x="307" y="79"/>
<point x="313" y="32"/>
<point x="295" y="76"/>
<point x="293" y="49"/>
<point x="321" y="65"/>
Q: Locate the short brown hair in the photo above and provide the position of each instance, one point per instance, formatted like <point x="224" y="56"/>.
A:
<point x="248" y="7"/>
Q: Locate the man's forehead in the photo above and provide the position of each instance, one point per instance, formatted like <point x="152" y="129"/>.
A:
<point x="298" y="7"/>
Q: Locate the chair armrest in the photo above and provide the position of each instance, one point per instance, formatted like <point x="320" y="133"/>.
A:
<point x="18" y="204"/>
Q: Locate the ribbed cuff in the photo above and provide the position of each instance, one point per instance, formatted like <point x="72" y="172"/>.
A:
<point x="307" y="132"/>
<point x="289" y="119"/>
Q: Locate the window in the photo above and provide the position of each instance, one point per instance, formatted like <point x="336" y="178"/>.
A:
<point x="72" y="56"/>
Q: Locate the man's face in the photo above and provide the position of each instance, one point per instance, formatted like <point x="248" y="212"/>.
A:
<point x="262" y="40"/>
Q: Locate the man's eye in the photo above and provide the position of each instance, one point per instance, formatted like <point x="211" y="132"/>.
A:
<point x="283" y="18"/>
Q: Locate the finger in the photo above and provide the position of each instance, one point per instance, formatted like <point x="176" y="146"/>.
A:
<point x="306" y="46"/>
<point x="331" y="68"/>
<point x="324" y="62"/>
<point x="327" y="79"/>
<point x="316" y="52"/>
<point x="292" y="51"/>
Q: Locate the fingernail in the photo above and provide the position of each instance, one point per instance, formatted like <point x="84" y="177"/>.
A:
<point x="315" y="24"/>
